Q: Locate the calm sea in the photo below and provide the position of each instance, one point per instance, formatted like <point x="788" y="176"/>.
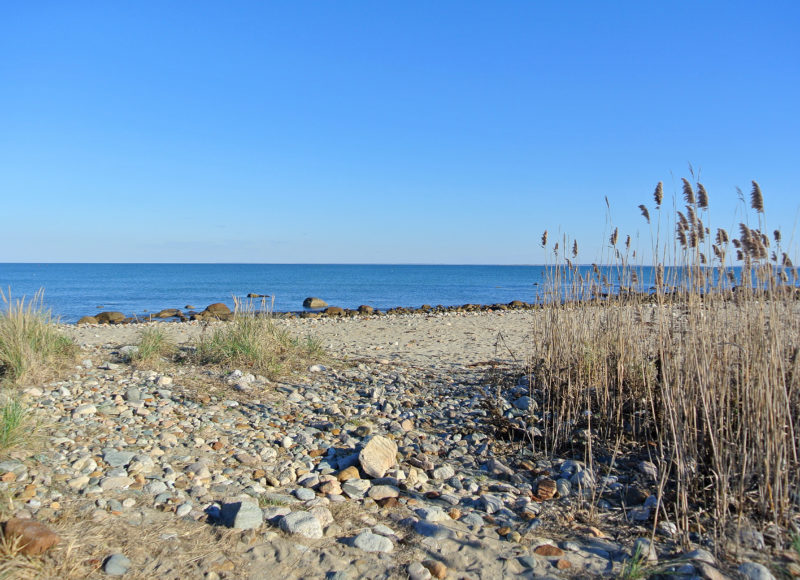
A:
<point x="75" y="290"/>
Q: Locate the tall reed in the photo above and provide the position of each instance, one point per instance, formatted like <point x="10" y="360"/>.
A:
<point x="693" y="362"/>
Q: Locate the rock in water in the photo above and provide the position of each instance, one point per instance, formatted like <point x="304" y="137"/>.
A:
<point x="378" y="456"/>
<point x="217" y="309"/>
<point x="312" y="302"/>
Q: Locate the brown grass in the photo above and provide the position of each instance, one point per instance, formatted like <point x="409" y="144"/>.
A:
<point x="698" y="370"/>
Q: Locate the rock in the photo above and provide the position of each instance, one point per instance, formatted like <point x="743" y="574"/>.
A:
<point x="364" y="309"/>
<point x="110" y="317"/>
<point x="546" y="489"/>
<point x="301" y="523"/>
<point x="645" y="549"/>
<point x="525" y="403"/>
<point x="35" y="537"/>
<point x="217" y="309"/>
<point x="87" y="320"/>
<point x="370" y="542"/>
<point x="549" y="551"/>
<point x="437" y="569"/>
<point x="116" y="458"/>
<point x="379" y="492"/>
<point x="754" y="571"/>
<point x="312" y="302"/>
<point x="378" y="456"/>
<point x="334" y="311"/>
<point x="116" y="565"/>
<point x="168" y="313"/>
<point x="444" y="472"/>
<point x="416" y="571"/>
<point x="242" y="515"/>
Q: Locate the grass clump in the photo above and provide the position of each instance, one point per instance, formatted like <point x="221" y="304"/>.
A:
<point x="30" y="345"/>
<point x="690" y="361"/>
<point x="154" y="345"/>
<point x="15" y="425"/>
<point x="252" y="340"/>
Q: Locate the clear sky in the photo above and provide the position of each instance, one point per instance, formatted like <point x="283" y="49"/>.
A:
<point x="376" y="132"/>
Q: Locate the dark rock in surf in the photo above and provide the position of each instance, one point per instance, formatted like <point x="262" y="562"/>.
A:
<point x="110" y="317"/>
<point x="312" y="302"/>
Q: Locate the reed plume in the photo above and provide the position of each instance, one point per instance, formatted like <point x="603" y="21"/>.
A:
<point x="544" y="239"/>
<point x="756" y="199"/>
<point x="645" y="213"/>
<point x="688" y="192"/>
<point x="658" y="194"/>
<point x="702" y="196"/>
<point x="613" y="238"/>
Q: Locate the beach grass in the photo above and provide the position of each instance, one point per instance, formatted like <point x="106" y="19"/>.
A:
<point x="30" y="344"/>
<point x="697" y="371"/>
<point x="253" y="341"/>
<point x="152" y="348"/>
<point x="16" y="425"/>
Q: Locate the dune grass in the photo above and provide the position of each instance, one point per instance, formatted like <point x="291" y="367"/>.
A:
<point x="153" y="347"/>
<point x="16" y="425"/>
<point x="695" y="369"/>
<point x="30" y="345"/>
<point x="253" y="341"/>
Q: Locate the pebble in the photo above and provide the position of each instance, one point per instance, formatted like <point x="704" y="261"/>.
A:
<point x="301" y="523"/>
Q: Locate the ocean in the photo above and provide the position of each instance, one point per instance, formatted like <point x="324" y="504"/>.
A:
<point x="75" y="290"/>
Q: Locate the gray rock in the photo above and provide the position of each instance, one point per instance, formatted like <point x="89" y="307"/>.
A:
<point x="525" y="403"/>
<point x="432" y="514"/>
<point x="370" y="542"/>
<point x="416" y="571"/>
<point x="117" y="458"/>
<point x="645" y="549"/>
<point x="116" y="565"/>
<point x="755" y="571"/>
<point x="444" y="472"/>
<point x="304" y="494"/>
<point x="301" y="523"/>
<point x="563" y="487"/>
<point x="242" y="515"/>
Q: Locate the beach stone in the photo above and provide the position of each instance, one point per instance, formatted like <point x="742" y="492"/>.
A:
<point x="334" y="311"/>
<point x="755" y="571"/>
<point x="437" y="569"/>
<point x="644" y="547"/>
<point x="116" y="458"/>
<point x="355" y="488"/>
<point x="301" y="523"/>
<point x="548" y="550"/>
<point x="242" y="515"/>
<point x="313" y="302"/>
<point x="431" y="530"/>
<point x="378" y="492"/>
<point x="416" y="571"/>
<point x="378" y="456"/>
<point x="304" y="494"/>
<point x="87" y="320"/>
<point x="365" y="309"/>
<point x="370" y="542"/>
<point x="83" y="410"/>
<point x="433" y="514"/>
<point x="35" y="537"/>
<point x="117" y="565"/>
<point x="444" y="472"/>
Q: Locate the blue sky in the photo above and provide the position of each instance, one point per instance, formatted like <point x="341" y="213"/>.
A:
<point x="366" y="132"/>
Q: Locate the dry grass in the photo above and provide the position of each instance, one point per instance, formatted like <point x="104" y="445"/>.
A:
<point x="164" y="547"/>
<point x="693" y="364"/>
<point x="30" y="345"/>
<point x="252" y="341"/>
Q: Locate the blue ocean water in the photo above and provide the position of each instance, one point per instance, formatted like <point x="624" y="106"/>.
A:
<point x="75" y="290"/>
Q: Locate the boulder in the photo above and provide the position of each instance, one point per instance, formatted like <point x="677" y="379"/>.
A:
<point x="312" y="302"/>
<point x="168" y="313"/>
<point x="87" y="320"/>
<point x="334" y="311"/>
<point x="110" y="317"/>
<point x="217" y="309"/>
<point x="364" y="309"/>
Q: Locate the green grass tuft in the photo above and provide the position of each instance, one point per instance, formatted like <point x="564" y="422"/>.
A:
<point x="30" y="344"/>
